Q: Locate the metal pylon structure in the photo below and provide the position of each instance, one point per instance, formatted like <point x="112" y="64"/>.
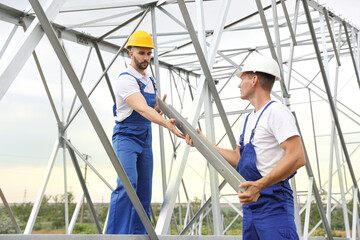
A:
<point x="200" y="46"/>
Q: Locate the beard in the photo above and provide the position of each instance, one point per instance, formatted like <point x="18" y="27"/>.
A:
<point x="141" y="65"/>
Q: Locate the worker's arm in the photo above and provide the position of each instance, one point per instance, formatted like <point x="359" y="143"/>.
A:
<point x="231" y="156"/>
<point x="138" y="103"/>
<point x="294" y="159"/>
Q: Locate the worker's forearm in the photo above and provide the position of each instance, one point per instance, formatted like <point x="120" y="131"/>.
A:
<point x="281" y="171"/>
<point x="152" y="115"/>
<point x="231" y="156"/>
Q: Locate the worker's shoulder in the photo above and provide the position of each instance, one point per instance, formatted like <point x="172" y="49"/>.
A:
<point x="279" y="108"/>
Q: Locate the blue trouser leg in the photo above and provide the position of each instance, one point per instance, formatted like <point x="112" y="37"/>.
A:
<point x="120" y="204"/>
<point x="144" y="167"/>
<point x="134" y="150"/>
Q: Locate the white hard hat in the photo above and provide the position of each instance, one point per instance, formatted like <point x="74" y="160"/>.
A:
<point x="258" y="63"/>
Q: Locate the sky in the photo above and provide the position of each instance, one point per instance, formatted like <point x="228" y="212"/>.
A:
<point x="29" y="131"/>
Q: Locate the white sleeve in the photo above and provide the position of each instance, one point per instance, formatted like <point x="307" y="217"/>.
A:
<point x="282" y="123"/>
<point x="126" y="85"/>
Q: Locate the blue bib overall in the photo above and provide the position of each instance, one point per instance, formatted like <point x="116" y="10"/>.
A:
<point x="132" y="142"/>
<point x="272" y="215"/>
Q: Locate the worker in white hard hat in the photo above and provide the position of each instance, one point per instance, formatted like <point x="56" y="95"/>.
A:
<point x="136" y="107"/>
<point x="268" y="153"/>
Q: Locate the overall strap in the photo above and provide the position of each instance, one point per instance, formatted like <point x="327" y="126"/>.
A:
<point x="243" y="133"/>
<point x="153" y="82"/>
<point x="141" y="84"/>
<point x="257" y="121"/>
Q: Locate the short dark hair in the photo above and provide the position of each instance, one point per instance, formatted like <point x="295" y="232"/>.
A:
<point x="266" y="80"/>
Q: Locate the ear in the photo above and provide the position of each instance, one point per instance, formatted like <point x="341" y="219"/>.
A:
<point x="131" y="53"/>
<point x="255" y="80"/>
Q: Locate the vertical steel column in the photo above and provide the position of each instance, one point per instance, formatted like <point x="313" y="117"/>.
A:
<point x="328" y="92"/>
<point x="158" y="86"/>
<point x="209" y="122"/>
<point x="11" y="215"/>
<point x="355" y="215"/>
<point x="47" y="27"/>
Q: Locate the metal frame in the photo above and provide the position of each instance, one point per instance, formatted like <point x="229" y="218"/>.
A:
<point x="206" y="65"/>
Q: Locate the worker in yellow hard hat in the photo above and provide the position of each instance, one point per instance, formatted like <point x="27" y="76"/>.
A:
<point x="136" y="107"/>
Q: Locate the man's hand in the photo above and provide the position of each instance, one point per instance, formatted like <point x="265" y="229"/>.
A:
<point x="252" y="192"/>
<point x="190" y="142"/>
<point x="170" y="124"/>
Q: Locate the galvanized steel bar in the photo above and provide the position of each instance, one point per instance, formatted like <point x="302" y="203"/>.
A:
<point x="353" y="60"/>
<point x="211" y="155"/>
<point x="11" y="215"/>
<point x="85" y="190"/>
<point x="102" y="64"/>
<point x="325" y="12"/>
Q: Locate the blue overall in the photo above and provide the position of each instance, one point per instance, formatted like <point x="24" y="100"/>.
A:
<point x="272" y="215"/>
<point x="132" y="142"/>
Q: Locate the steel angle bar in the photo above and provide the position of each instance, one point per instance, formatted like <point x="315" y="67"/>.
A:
<point x="141" y="14"/>
<point x="37" y="203"/>
<point x="329" y="95"/>
<point x="206" y="70"/>
<point x="211" y="155"/>
<point x="271" y="47"/>
<point x="331" y="36"/>
<point x="11" y="215"/>
<point x="10" y="67"/>
<point x="69" y="145"/>
<point x="84" y="188"/>
<point x="352" y="58"/>
<point x="48" y="29"/>
<point x="288" y="22"/>
<point x="96" y="46"/>
<point x="75" y="214"/>
<point x="8" y="40"/>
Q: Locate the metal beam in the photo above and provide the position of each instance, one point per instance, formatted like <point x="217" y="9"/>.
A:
<point x="11" y="66"/>
<point x="84" y="188"/>
<point x="11" y="215"/>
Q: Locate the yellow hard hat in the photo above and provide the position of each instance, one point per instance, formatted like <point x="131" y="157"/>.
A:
<point x="140" y="39"/>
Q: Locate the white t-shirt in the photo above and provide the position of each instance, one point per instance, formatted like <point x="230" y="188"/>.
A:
<point x="127" y="85"/>
<point x="276" y="125"/>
